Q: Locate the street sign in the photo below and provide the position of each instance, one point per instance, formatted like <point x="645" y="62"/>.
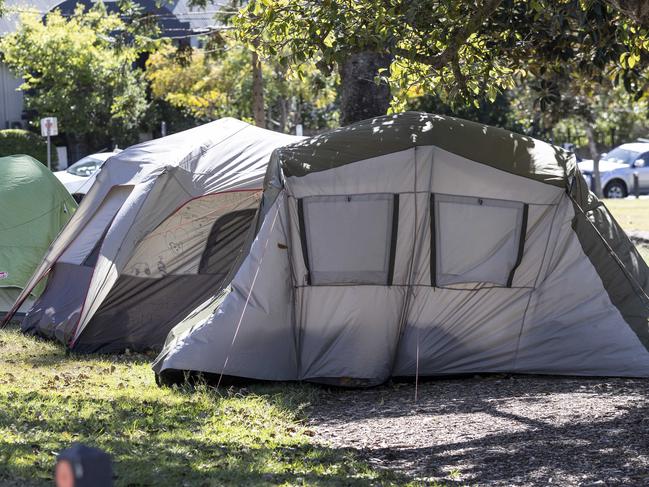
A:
<point x="49" y="127"/>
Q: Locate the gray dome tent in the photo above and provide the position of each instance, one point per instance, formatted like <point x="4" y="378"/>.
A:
<point x="420" y="244"/>
<point x="155" y="236"/>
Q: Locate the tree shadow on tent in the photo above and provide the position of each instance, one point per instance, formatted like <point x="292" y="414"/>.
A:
<point x="378" y="136"/>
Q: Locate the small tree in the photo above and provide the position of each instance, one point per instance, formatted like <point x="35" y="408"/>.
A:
<point x="209" y="85"/>
<point x="81" y="70"/>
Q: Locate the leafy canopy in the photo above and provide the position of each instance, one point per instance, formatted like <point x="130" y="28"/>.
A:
<point x="80" y="69"/>
<point x="462" y="51"/>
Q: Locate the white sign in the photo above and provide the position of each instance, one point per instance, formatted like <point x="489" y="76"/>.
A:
<point x="49" y="127"/>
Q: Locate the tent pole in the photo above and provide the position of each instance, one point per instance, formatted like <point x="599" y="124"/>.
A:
<point x="417" y="369"/>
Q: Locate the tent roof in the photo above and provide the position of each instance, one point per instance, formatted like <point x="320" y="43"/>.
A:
<point x="499" y="148"/>
<point x="139" y="188"/>
<point x="23" y="177"/>
<point x="188" y="149"/>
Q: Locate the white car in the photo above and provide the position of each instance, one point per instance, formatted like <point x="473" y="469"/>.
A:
<point x="78" y="178"/>
<point x="616" y="170"/>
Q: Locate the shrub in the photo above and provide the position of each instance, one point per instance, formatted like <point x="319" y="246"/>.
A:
<point x="18" y="141"/>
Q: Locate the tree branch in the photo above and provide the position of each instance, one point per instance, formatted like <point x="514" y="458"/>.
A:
<point x="637" y="10"/>
<point x="457" y="73"/>
<point x="447" y="55"/>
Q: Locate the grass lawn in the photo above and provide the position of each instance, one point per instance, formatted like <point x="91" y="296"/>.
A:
<point x="631" y="214"/>
<point x="157" y="436"/>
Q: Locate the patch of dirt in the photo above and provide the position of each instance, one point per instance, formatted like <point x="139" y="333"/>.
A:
<point x="497" y="430"/>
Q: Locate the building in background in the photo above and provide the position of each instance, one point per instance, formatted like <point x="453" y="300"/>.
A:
<point x="177" y="20"/>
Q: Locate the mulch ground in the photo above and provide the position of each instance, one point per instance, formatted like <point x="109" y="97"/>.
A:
<point x="496" y="430"/>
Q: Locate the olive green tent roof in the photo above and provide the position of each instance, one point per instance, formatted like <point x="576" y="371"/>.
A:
<point x="34" y="207"/>
<point x="514" y="153"/>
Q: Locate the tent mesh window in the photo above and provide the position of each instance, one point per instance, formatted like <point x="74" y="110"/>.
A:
<point x="476" y="239"/>
<point x="225" y="241"/>
<point x="349" y="239"/>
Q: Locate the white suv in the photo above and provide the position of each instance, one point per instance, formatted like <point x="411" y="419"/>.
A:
<point x="617" y="167"/>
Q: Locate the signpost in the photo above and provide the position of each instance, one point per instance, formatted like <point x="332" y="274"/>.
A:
<point x="49" y="128"/>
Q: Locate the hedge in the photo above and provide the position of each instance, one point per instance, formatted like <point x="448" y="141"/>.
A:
<point x="18" y="141"/>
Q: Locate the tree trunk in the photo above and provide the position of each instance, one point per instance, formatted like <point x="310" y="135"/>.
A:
<point x="257" y="92"/>
<point x="283" y="114"/>
<point x="594" y="153"/>
<point x="361" y="97"/>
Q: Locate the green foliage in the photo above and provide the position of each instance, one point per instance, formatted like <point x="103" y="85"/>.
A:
<point x="461" y="51"/>
<point x="209" y="84"/>
<point x="175" y="118"/>
<point x="498" y="113"/>
<point x="18" y="141"/>
<point x="614" y="115"/>
<point x="80" y="69"/>
<point x="157" y="436"/>
<point x="616" y="118"/>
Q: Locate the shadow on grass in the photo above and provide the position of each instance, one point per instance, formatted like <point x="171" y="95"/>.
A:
<point x="160" y="437"/>
<point x="56" y="358"/>
<point x="41" y="351"/>
<point x="609" y="445"/>
<point x="200" y="439"/>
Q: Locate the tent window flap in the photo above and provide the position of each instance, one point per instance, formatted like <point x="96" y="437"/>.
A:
<point x="349" y="239"/>
<point x="476" y="239"/>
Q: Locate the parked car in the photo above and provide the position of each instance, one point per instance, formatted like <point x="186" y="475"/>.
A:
<point x="617" y="167"/>
<point x="78" y="178"/>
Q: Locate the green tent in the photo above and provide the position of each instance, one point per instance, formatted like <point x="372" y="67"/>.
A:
<point x="34" y="207"/>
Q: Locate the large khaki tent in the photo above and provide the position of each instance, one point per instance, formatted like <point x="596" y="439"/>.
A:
<point x="34" y="206"/>
<point x="155" y="236"/>
<point x="420" y="244"/>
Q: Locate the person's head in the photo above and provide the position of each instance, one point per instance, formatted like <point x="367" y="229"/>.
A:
<point x="64" y="476"/>
<point x="83" y="466"/>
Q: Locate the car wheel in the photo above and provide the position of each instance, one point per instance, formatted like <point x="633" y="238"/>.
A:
<point x="615" y="189"/>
